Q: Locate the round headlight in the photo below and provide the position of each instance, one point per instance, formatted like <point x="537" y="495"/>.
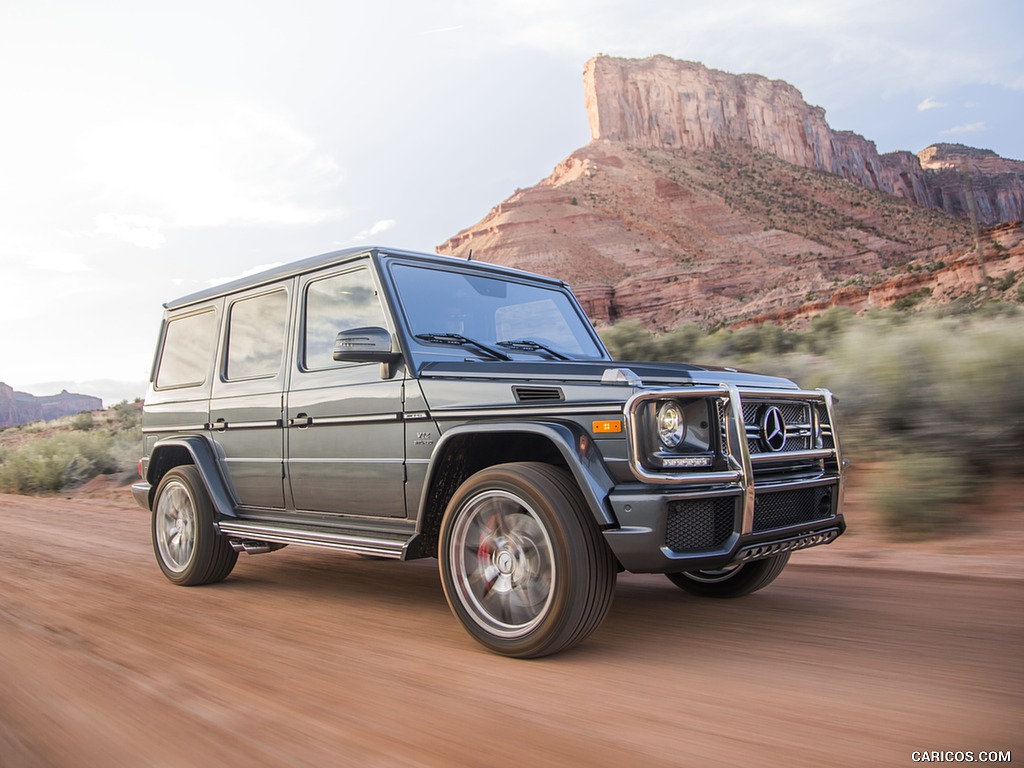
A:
<point x="671" y="424"/>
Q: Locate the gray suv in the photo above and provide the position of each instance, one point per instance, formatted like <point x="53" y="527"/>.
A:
<point x="404" y="405"/>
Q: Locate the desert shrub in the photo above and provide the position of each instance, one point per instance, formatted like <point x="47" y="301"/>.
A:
<point x="826" y="329"/>
<point x="83" y="421"/>
<point x="947" y="386"/>
<point x="767" y="339"/>
<point x="127" y="415"/>
<point x="680" y="345"/>
<point x="916" y="494"/>
<point x="629" y="340"/>
<point x="996" y="308"/>
<point x="911" y="300"/>
<point x="53" y="463"/>
<point x="1005" y="282"/>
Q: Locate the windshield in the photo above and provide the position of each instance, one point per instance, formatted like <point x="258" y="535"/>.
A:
<point x="446" y="309"/>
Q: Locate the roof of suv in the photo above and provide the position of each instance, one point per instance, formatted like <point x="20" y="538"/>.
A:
<point x="337" y="257"/>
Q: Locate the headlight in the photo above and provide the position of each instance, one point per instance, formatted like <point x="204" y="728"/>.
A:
<point x="671" y="424"/>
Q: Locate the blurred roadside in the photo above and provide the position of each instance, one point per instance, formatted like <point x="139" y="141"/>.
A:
<point x="990" y="543"/>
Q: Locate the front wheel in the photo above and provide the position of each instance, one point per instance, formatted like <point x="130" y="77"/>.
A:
<point x="188" y="548"/>
<point x="523" y="564"/>
<point x="732" y="581"/>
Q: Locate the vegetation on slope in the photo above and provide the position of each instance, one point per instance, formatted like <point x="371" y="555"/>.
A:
<point x="54" y="455"/>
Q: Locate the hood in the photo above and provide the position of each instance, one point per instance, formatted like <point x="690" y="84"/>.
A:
<point x="581" y="371"/>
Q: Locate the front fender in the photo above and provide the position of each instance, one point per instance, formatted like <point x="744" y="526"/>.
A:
<point x="573" y="444"/>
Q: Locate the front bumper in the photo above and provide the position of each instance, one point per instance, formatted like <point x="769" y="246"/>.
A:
<point x="672" y="532"/>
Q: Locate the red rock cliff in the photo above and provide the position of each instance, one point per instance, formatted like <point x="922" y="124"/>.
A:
<point x="662" y="103"/>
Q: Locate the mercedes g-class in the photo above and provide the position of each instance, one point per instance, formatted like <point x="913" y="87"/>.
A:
<point x="404" y="405"/>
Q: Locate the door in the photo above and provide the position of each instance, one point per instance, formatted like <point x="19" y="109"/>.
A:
<point x="247" y="404"/>
<point x="345" y="431"/>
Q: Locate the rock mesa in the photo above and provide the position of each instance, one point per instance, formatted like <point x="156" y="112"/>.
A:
<point x="662" y="103"/>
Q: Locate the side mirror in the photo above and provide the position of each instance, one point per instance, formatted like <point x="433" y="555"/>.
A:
<point x="366" y="345"/>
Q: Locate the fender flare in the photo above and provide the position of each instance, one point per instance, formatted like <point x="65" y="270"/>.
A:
<point x="204" y="457"/>
<point x="586" y="466"/>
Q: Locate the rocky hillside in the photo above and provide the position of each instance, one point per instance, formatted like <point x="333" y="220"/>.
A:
<point x="719" y="198"/>
<point x="661" y="103"/>
<point x="997" y="183"/>
<point x="21" y="408"/>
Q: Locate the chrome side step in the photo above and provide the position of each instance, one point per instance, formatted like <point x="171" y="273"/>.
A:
<point x="257" y="534"/>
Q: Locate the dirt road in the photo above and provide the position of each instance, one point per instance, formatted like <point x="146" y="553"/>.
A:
<point x="307" y="658"/>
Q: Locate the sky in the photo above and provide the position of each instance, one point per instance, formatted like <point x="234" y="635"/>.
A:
<point x="148" y="150"/>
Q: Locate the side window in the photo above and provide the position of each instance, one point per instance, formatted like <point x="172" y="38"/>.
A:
<point x="188" y="346"/>
<point x="256" y="336"/>
<point x="335" y="304"/>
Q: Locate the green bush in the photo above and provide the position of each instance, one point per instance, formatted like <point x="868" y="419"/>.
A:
<point x="826" y="329"/>
<point x="916" y="494"/>
<point x="948" y="385"/>
<point x="83" y="421"/>
<point x="53" y="463"/>
<point x="766" y="339"/>
<point x="681" y="344"/>
<point x="629" y="340"/>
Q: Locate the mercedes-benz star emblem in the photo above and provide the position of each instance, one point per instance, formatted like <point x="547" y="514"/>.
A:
<point x="773" y="429"/>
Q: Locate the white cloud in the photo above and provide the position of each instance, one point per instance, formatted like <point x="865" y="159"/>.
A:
<point x="440" y="30"/>
<point x="63" y="262"/>
<point x="968" y="128"/>
<point x="930" y="103"/>
<point x="381" y="226"/>
<point x="202" y="165"/>
<point x="143" y="231"/>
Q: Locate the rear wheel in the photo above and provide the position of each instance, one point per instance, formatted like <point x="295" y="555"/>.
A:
<point x="732" y="581"/>
<point x="523" y="564"/>
<point x="188" y="548"/>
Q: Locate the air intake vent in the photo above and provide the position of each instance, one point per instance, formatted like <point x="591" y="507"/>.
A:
<point x="538" y="394"/>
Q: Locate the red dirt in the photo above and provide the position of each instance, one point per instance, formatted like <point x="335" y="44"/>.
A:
<point x="307" y="658"/>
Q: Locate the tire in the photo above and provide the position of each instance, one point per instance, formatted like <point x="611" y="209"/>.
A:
<point x="733" y="581"/>
<point x="188" y="548"/>
<point x="523" y="565"/>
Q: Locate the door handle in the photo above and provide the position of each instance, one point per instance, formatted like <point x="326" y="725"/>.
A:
<point x="301" y="420"/>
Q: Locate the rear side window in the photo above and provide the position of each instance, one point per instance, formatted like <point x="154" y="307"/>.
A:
<point x="256" y="336"/>
<point x="188" y="348"/>
<point x="334" y="304"/>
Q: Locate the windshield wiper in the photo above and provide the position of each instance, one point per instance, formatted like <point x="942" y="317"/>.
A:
<point x="529" y="345"/>
<point x="458" y="340"/>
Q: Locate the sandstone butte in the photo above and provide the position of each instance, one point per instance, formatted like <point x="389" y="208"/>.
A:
<point x="22" y="408"/>
<point x="716" y="198"/>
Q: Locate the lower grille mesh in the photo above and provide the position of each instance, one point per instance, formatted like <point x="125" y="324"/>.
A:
<point x="782" y="508"/>
<point x="699" y="524"/>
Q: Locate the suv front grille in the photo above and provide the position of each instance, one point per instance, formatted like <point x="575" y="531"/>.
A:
<point x="799" y="424"/>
